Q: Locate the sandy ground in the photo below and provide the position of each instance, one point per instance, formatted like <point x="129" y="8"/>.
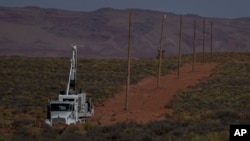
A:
<point x="145" y="101"/>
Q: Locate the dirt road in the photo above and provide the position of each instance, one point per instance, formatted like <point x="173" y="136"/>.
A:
<point x="146" y="102"/>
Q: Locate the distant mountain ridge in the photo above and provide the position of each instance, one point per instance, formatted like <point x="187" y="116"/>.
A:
<point x="34" y="31"/>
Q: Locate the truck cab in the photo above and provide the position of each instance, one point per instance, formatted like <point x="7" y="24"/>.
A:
<point x="69" y="109"/>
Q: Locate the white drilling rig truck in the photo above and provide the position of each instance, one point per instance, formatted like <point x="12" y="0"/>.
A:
<point x="72" y="106"/>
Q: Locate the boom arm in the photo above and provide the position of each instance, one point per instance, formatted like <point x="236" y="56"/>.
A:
<point x="72" y="74"/>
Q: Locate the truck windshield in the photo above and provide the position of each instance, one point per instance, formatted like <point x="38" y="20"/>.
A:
<point x="61" y="107"/>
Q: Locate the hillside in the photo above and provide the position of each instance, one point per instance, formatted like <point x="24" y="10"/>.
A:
<point x="34" y="31"/>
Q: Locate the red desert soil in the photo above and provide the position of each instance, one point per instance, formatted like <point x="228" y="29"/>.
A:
<point x="146" y="102"/>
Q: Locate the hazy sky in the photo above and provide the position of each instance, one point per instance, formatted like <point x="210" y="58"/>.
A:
<point x="208" y="8"/>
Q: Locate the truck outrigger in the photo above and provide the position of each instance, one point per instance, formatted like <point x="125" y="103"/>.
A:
<point x="72" y="106"/>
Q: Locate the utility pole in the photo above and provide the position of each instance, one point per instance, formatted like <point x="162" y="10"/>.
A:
<point x="160" y="58"/>
<point x="180" y="43"/>
<point x="211" y="53"/>
<point x="129" y="58"/>
<point x="204" y="28"/>
<point x="194" y="44"/>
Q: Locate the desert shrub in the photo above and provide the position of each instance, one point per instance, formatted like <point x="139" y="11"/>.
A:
<point x="212" y="136"/>
<point x="66" y="136"/>
<point x="133" y="131"/>
<point x="88" y="126"/>
<point x="5" y="123"/>
<point x="48" y="133"/>
<point x="22" y="122"/>
<point x="33" y="132"/>
<point x="161" y="127"/>
<point x="3" y="138"/>
<point x="226" y="117"/>
<point x="201" y="127"/>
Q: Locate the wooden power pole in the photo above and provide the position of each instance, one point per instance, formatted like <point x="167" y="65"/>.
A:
<point x="129" y="58"/>
<point x="211" y="39"/>
<point x="203" y="45"/>
<point x="180" y="43"/>
<point x="160" y="56"/>
<point x="194" y="44"/>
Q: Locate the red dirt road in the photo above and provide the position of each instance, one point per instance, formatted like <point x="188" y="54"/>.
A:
<point x="146" y="102"/>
